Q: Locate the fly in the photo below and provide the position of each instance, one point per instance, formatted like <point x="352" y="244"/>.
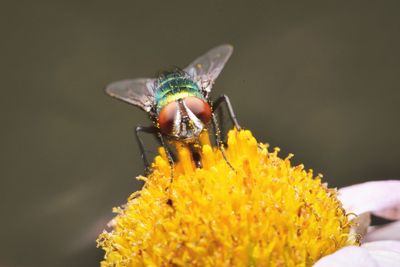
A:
<point x="179" y="103"/>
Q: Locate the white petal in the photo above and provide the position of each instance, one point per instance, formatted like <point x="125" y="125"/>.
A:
<point x="372" y="254"/>
<point x="382" y="198"/>
<point x="385" y="253"/>
<point x="389" y="231"/>
<point x="346" y="257"/>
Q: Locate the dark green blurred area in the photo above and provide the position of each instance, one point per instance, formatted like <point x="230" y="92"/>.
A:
<point x="318" y="80"/>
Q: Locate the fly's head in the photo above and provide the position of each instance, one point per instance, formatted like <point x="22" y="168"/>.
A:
<point x="185" y="118"/>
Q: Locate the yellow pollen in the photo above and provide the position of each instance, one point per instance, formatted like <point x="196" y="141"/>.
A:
<point x="266" y="212"/>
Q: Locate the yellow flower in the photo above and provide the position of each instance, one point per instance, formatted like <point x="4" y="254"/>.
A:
<point x="265" y="212"/>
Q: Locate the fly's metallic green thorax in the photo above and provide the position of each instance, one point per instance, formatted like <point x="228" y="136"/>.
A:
<point x="175" y="86"/>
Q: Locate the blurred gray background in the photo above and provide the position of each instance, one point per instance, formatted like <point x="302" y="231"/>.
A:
<point x="318" y="80"/>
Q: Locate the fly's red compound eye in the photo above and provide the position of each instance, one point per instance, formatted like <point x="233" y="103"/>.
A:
<point x="199" y="107"/>
<point x="166" y="117"/>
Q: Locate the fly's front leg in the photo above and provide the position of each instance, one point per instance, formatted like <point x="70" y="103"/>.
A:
<point x="154" y="131"/>
<point x="219" y="140"/>
<point x="150" y="130"/>
<point x="225" y="99"/>
<point x="169" y="155"/>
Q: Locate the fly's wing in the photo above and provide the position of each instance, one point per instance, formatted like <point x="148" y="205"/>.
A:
<point x="138" y="92"/>
<point x="205" y="69"/>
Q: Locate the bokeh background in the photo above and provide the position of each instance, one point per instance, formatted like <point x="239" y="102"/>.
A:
<point x="316" y="79"/>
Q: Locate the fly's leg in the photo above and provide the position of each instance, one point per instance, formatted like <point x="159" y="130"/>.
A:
<point x="219" y="141"/>
<point x="169" y="155"/>
<point x="225" y="99"/>
<point x="150" y="130"/>
<point x="154" y="131"/>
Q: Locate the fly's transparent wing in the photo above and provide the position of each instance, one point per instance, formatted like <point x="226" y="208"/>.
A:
<point x="139" y="92"/>
<point x="205" y="69"/>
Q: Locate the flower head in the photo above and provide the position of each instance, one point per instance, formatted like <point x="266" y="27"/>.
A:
<point x="264" y="212"/>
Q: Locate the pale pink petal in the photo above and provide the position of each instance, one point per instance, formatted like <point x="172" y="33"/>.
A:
<point x="372" y="254"/>
<point x="389" y="231"/>
<point x="385" y="253"/>
<point x="382" y="198"/>
<point x="346" y="257"/>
